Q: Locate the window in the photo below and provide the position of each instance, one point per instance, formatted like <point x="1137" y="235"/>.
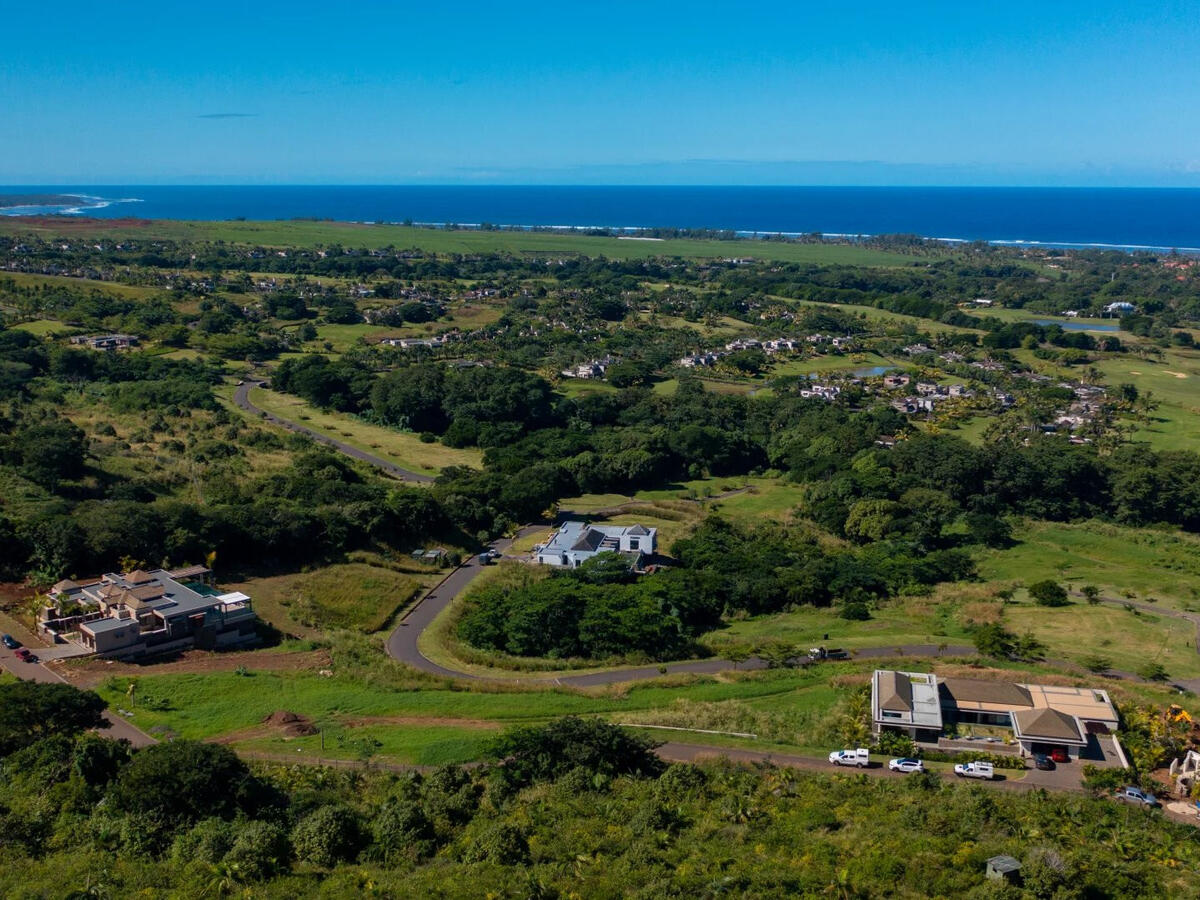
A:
<point x="888" y="714"/>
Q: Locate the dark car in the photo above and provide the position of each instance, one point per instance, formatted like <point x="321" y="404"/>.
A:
<point x="1059" y="755"/>
<point x="1043" y="762"/>
<point x="25" y="656"/>
<point x="9" y="641"/>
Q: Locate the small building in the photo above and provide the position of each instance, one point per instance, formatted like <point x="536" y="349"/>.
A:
<point x="1003" y="868"/>
<point x="106" y="341"/>
<point x="576" y="542"/>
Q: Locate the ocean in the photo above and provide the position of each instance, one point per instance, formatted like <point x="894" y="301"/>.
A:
<point x="1127" y="218"/>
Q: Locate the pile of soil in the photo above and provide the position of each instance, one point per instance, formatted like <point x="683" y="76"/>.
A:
<point x="291" y="724"/>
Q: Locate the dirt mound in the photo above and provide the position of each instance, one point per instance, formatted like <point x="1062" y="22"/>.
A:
<point x="290" y="723"/>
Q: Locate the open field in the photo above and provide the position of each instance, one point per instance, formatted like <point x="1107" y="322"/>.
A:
<point x="883" y="316"/>
<point x="355" y="596"/>
<point x="1175" y="425"/>
<point x="112" y="288"/>
<point x="311" y="234"/>
<point x="1162" y="565"/>
<point x="405" y="449"/>
<point x="43" y="327"/>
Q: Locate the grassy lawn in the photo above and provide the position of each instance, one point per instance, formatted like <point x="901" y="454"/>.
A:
<point x="939" y="619"/>
<point x="832" y="364"/>
<point x="354" y="596"/>
<point x="405" y="449"/>
<point x="112" y="288"/>
<point x="1128" y="639"/>
<point x="1151" y="563"/>
<point x="883" y="316"/>
<point x="311" y="234"/>
<point x="1175" y="425"/>
<point x="43" y="327"/>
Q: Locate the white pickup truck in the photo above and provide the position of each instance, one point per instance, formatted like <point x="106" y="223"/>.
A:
<point x="975" y="770"/>
<point x="860" y="757"/>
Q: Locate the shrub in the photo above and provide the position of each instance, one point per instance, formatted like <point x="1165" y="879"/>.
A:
<point x="855" y="611"/>
<point x="402" y="829"/>
<point x="208" y="842"/>
<point x="500" y="843"/>
<point x="1096" y="664"/>
<point x="1048" y="593"/>
<point x="260" y="851"/>
<point x="544" y="753"/>
<point x="327" y="836"/>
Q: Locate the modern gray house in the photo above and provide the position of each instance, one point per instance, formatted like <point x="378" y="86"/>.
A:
<point x="576" y="542"/>
<point x="137" y="613"/>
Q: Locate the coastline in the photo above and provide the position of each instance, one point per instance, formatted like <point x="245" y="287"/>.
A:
<point x="1128" y="220"/>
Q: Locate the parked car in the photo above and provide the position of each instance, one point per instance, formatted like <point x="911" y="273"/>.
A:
<point x="24" y="655"/>
<point x="1138" y="797"/>
<point x="9" y="641"/>
<point x="1043" y="762"/>
<point x="905" y="764"/>
<point x="1060" y="755"/>
<point x="860" y="757"/>
<point x="975" y="770"/>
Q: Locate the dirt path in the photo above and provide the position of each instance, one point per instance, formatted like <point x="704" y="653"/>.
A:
<point x="242" y="398"/>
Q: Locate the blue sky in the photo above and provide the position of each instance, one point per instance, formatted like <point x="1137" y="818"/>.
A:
<point x="668" y="93"/>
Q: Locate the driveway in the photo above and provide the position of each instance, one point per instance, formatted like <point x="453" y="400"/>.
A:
<point x="242" y="398"/>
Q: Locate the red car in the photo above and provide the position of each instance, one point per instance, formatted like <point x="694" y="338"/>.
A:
<point x="1059" y="755"/>
<point x="25" y="656"/>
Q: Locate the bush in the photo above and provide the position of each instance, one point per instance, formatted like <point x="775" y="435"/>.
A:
<point x="207" y="842"/>
<point x="500" y="843"/>
<point x="260" y="851"/>
<point x="546" y="752"/>
<point x="1048" y="593"/>
<point x="855" y="611"/>
<point x="402" y="829"/>
<point x="327" y="836"/>
<point x="181" y="782"/>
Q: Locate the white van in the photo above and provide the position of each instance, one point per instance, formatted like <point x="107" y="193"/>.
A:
<point x="975" y="770"/>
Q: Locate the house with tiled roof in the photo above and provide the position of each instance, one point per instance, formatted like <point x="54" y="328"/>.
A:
<point x="1041" y="717"/>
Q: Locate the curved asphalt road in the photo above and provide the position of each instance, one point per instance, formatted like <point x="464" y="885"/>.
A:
<point x="242" y="398"/>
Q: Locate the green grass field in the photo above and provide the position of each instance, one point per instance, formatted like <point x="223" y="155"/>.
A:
<point x="43" y="327"/>
<point x="310" y="234"/>
<point x="402" y="448"/>
<point x="354" y="596"/>
<point x="1175" y="425"/>
<point x="112" y="288"/>
<point x="1163" y="565"/>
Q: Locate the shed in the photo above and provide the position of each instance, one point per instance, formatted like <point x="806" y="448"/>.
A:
<point x="1003" y="868"/>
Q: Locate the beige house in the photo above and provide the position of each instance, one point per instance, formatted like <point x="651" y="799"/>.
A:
<point x="1042" y="717"/>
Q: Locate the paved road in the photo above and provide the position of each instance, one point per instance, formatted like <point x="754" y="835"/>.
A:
<point x="242" y="398"/>
<point x="402" y="644"/>
<point x="118" y="727"/>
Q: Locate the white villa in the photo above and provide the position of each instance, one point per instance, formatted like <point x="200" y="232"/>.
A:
<point x="576" y="542"/>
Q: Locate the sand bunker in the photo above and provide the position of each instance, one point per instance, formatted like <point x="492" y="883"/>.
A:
<point x="1176" y="374"/>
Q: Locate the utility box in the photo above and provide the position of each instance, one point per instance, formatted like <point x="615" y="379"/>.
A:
<point x="1003" y="868"/>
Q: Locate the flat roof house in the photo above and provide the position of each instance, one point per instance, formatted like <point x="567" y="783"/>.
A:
<point x="141" y="612"/>
<point x="1040" y="716"/>
<point x="576" y="542"/>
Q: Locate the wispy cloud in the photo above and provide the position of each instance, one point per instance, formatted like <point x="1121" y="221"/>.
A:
<point x="227" y="115"/>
